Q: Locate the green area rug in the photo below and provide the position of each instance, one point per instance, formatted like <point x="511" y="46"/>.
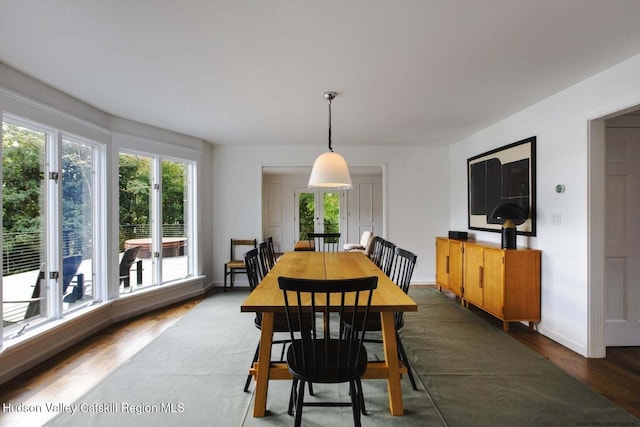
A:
<point x="469" y="372"/>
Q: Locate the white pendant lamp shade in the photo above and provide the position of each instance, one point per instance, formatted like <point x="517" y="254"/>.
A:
<point x="330" y="170"/>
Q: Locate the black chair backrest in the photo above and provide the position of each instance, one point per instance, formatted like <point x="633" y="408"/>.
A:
<point x="255" y="273"/>
<point x="325" y="242"/>
<point x="403" y="266"/>
<point x="128" y="258"/>
<point x="267" y="256"/>
<point x="387" y="256"/>
<point x="376" y="251"/>
<point x="326" y="345"/>
<point x="269" y="241"/>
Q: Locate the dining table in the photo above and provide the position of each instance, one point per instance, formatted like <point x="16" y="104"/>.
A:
<point x="268" y="299"/>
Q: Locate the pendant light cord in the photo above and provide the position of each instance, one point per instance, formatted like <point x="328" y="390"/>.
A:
<point x="330" y="148"/>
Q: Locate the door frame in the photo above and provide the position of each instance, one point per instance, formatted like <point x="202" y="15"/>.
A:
<point x="596" y="165"/>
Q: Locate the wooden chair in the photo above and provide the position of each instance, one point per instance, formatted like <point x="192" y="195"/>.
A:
<point x="404" y="263"/>
<point x="386" y="257"/>
<point x="376" y="250"/>
<point x="276" y="255"/>
<point x="325" y="242"/>
<point x="327" y="353"/>
<point x="235" y="264"/>
<point x="401" y="274"/>
<point x="267" y="255"/>
<point x="255" y="274"/>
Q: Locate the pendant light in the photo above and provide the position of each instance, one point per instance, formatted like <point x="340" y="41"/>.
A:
<point x="330" y="170"/>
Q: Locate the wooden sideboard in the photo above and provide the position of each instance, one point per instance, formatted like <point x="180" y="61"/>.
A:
<point x="449" y="265"/>
<point x="503" y="282"/>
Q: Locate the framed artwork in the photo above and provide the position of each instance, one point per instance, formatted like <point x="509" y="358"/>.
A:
<point x="504" y="175"/>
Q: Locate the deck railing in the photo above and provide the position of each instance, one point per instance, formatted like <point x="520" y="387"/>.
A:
<point x="22" y="252"/>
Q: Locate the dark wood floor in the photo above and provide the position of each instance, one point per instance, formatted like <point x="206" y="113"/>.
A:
<point x="616" y="377"/>
<point x="72" y="373"/>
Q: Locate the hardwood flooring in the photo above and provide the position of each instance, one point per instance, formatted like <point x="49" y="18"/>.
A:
<point x="67" y="376"/>
<point x="616" y="377"/>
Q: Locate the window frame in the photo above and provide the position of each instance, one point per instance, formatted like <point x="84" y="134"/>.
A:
<point x="52" y="215"/>
<point x="156" y="217"/>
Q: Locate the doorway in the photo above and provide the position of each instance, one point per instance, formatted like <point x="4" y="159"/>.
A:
<point x="614" y="276"/>
<point x="622" y="231"/>
<point x="362" y="207"/>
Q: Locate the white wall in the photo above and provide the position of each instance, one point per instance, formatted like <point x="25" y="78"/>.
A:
<point x="561" y="124"/>
<point x="417" y="192"/>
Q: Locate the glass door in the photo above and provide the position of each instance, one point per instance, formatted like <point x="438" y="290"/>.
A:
<point x="317" y="211"/>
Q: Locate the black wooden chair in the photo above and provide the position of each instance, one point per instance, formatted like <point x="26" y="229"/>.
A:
<point x="403" y="265"/>
<point x="401" y="273"/>
<point x="376" y="250"/>
<point x="325" y="242"/>
<point x="235" y="264"/>
<point x="327" y="353"/>
<point x="267" y="255"/>
<point x="387" y="256"/>
<point x="255" y="274"/>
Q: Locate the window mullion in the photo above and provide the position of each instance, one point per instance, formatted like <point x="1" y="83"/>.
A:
<point x="53" y="227"/>
<point x="191" y="208"/>
<point x="156" y="222"/>
<point x="100" y="277"/>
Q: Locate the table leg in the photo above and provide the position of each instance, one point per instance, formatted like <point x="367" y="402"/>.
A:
<point x="394" y="388"/>
<point x="264" y="362"/>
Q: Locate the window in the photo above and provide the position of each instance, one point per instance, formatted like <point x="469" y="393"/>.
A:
<point x="156" y="211"/>
<point x="48" y="223"/>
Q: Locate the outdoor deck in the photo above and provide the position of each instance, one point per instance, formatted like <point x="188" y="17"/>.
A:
<point x="18" y="288"/>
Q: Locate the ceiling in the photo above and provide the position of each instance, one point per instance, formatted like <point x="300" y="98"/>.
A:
<point x="254" y="72"/>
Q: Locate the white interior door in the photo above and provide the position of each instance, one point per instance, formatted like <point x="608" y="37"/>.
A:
<point x="622" y="264"/>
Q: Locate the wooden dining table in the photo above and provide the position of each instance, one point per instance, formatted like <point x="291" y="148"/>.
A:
<point x="267" y="298"/>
